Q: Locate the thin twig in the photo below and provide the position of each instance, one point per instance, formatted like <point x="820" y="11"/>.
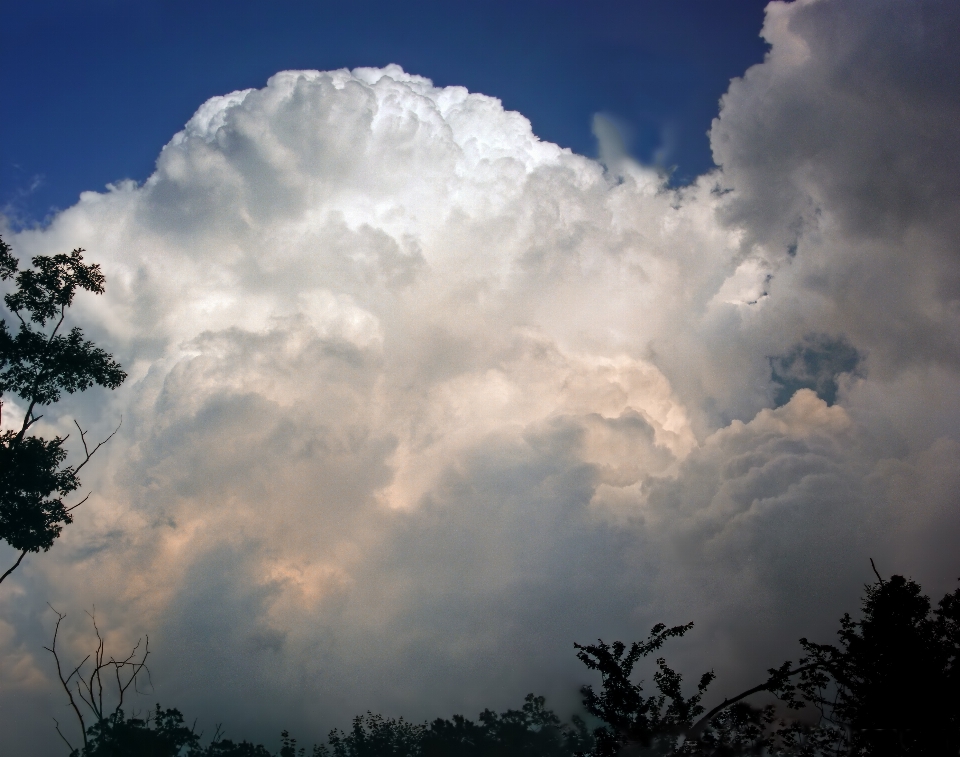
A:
<point x="90" y="688"/>
<point x="876" y="572"/>
<point x="95" y="676"/>
<point x="137" y="668"/>
<point x="60" y="734"/>
<point x="74" y="507"/>
<point x="15" y="565"/>
<point x="86" y="450"/>
<point x="66" y="682"/>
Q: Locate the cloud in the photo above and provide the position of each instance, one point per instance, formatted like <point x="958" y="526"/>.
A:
<point x="817" y="362"/>
<point x="840" y="150"/>
<point x="417" y="399"/>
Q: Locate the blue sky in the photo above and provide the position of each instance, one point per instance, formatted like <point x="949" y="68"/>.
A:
<point x="92" y="90"/>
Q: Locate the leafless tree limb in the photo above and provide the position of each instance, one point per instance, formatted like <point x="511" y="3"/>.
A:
<point x="60" y="734"/>
<point x="65" y="682"/>
<point x="74" y="507"/>
<point x="86" y="450"/>
<point x="90" y="688"/>
<point x="15" y="565"/>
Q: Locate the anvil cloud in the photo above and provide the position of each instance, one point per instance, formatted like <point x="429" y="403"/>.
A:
<point x="417" y="399"/>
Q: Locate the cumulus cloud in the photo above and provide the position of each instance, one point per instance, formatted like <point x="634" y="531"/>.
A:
<point x="840" y="152"/>
<point x="417" y="399"/>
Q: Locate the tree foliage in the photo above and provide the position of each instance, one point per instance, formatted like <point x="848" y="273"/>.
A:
<point x="532" y="731"/>
<point x="891" y="686"/>
<point x="30" y="472"/>
<point x="657" y="721"/>
<point x="38" y="363"/>
<point x="161" y="733"/>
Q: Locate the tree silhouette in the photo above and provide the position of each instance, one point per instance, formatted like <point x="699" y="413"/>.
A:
<point x="631" y="719"/>
<point x="38" y="364"/>
<point x="890" y="688"/>
<point x="86" y="690"/>
<point x="100" y="689"/>
<point x="892" y="685"/>
<point x="532" y="731"/>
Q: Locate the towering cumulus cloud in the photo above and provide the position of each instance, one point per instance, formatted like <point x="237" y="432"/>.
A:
<point x="417" y="399"/>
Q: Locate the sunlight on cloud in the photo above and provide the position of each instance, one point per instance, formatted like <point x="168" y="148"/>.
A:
<point x="409" y="386"/>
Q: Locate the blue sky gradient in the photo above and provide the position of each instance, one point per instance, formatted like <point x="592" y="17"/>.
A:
<point x="92" y="90"/>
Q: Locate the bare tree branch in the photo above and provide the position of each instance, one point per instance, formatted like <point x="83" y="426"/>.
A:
<point x="74" y="507"/>
<point x="60" y="734"/>
<point x="86" y="450"/>
<point x="15" y="565"/>
<point x="28" y="420"/>
<point x="65" y="682"/>
<point x="95" y="676"/>
<point x="90" y="688"/>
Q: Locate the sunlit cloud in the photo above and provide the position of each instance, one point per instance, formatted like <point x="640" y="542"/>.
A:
<point x="417" y="398"/>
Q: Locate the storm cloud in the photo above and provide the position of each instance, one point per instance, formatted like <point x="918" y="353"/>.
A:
<point x="417" y="400"/>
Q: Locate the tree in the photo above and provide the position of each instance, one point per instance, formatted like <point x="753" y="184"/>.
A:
<point x="892" y="685"/>
<point x="97" y="692"/>
<point x="532" y="731"/>
<point x="890" y="688"/>
<point x="86" y="691"/>
<point x="111" y="733"/>
<point x="38" y="364"/>
<point x="632" y="720"/>
<point x="163" y="733"/>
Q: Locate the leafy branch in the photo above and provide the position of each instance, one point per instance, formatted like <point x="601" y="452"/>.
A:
<point x="38" y="364"/>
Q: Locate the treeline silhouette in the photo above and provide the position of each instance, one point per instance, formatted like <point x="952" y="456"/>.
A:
<point x="889" y="688"/>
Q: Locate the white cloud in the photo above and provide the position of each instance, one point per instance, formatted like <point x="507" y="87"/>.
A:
<point x="419" y="399"/>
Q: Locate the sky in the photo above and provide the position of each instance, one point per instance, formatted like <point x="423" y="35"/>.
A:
<point x="94" y="88"/>
<point x="434" y="372"/>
